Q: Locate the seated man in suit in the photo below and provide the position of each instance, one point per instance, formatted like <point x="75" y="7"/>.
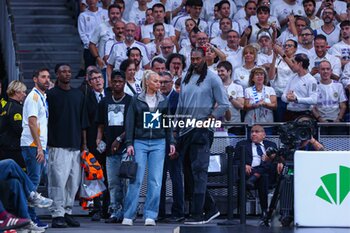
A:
<point x="258" y="164"/>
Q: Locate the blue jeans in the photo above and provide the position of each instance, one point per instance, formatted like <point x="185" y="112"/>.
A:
<point x="151" y="153"/>
<point x="115" y="185"/>
<point x="10" y="169"/>
<point x="34" y="170"/>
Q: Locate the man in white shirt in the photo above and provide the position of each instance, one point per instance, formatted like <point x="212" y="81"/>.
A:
<point x="34" y="134"/>
<point x="221" y="40"/>
<point x="307" y="47"/>
<point x="233" y="51"/>
<point x="342" y="49"/>
<point x="301" y="91"/>
<point x="310" y="10"/>
<point x="321" y="46"/>
<point x="119" y="50"/>
<point x="87" y="22"/>
<point x="328" y="29"/>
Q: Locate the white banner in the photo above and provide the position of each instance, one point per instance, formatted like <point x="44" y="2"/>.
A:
<point x="322" y="188"/>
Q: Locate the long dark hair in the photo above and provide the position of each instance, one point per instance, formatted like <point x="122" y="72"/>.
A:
<point x="204" y="70"/>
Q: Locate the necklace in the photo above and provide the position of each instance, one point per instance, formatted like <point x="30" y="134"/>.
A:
<point x="119" y="100"/>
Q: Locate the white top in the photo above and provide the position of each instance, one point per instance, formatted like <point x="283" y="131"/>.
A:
<point x="345" y="76"/>
<point x="286" y="35"/>
<point x="234" y="57"/>
<point x="332" y="38"/>
<point x="283" y="75"/>
<point x="341" y="50"/>
<point x="335" y="64"/>
<point x="88" y="21"/>
<point x="136" y="86"/>
<point x="282" y="10"/>
<point x="219" y="42"/>
<point x="305" y="89"/>
<point x="35" y="105"/>
<point x="264" y="59"/>
<point x="236" y="91"/>
<point x="119" y="50"/>
<point x="208" y="9"/>
<point x="180" y="26"/>
<point x="147" y="31"/>
<point x="137" y="16"/>
<point x="214" y="28"/>
<point x="254" y="33"/>
<point x="316" y="23"/>
<point x="329" y="97"/>
<point x="241" y="76"/>
<point x="101" y="35"/>
<point x="261" y="114"/>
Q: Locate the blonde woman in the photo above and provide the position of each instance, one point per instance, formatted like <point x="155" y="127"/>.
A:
<point x="145" y="141"/>
<point x="11" y="124"/>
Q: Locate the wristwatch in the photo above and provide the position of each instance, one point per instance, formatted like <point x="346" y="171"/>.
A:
<point x="118" y="139"/>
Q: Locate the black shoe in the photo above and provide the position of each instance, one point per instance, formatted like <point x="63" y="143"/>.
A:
<point x="162" y="219"/>
<point x="59" y="222"/>
<point x="251" y="182"/>
<point x="286" y="220"/>
<point x="195" y="220"/>
<point x="211" y="215"/>
<point x="175" y="219"/>
<point x="264" y="220"/>
<point x="71" y="221"/>
<point x="113" y="220"/>
<point x="96" y="217"/>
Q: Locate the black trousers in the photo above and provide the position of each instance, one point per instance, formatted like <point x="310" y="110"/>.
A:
<point x="195" y="147"/>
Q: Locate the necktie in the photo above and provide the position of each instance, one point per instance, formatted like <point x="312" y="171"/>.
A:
<point x="258" y="149"/>
<point x="101" y="96"/>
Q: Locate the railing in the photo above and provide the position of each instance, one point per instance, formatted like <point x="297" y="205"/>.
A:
<point x="8" y="46"/>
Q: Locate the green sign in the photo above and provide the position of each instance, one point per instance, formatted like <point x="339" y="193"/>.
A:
<point x="330" y="183"/>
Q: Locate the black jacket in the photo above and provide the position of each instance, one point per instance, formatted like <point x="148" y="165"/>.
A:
<point x="247" y="144"/>
<point x="138" y="120"/>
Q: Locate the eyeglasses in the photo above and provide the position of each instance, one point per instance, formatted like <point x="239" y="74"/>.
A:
<point x="167" y="47"/>
<point x="256" y="131"/>
<point x="96" y="78"/>
<point x="164" y="82"/>
<point x="202" y="38"/>
<point x="306" y="34"/>
<point x="288" y="46"/>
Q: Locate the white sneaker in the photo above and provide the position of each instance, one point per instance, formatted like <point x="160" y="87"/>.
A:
<point x="32" y="228"/>
<point x="36" y="200"/>
<point x="127" y="222"/>
<point x="150" y="222"/>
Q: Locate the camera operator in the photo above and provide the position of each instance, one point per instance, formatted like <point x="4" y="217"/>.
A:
<point x="295" y="135"/>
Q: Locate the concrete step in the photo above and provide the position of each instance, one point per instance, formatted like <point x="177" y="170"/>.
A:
<point x="37" y="3"/>
<point x="66" y="38"/>
<point x="44" y="19"/>
<point x="74" y="83"/>
<point x="38" y="10"/>
<point x="48" y="46"/>
<point x="46" y="29"/>
<point x="28" y="70"/>
<point x="50" y="55"/>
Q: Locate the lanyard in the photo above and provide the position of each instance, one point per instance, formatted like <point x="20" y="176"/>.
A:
<point x="45" y="103"/>
<point x="255" y="94"/>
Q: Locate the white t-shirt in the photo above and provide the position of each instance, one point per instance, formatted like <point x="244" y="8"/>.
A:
<point x="241" y="76"/>
<point x="119" y="50"/>
<point x="261" y="114"/>
<point x="219" y="42"/>
<point x="181" y="27"/>
<point x="147" y="31"/>
<point x="329" y="97"/>
<point x="341" y="50"/>
<point x="137" y="16"/>
<point x="136" y="88"/>
<point x="35" y="105"/>
<point x="332" y="38"/>
<point x="283" y="75"/>
<point x="234" y="57"/>
<point x="345" y="76"/>
<point x="335" y="64"/>
<point x="264" y="59"/>
<point x="101" y="35"/>
<point x="236" y="91"/>
<point x="282" y="10"/>
<point x="88" y="21"/>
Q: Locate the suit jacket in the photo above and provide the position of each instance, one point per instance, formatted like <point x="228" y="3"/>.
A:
<point x="173" y="99"/>
<point x="247" y="144"/>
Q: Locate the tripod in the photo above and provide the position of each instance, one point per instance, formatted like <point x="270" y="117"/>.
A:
<point x="284" y="192"/>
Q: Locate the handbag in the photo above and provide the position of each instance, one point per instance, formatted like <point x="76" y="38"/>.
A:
<point x="128" y="168"/>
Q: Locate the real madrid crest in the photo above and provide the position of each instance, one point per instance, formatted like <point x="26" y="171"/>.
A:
<point x="335" y="94"/>
<point x="242" y="77"/>
<point x="233" y="93"/>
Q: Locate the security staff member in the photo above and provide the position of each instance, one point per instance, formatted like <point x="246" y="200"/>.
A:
<point x="301" y="91"/>
<point x="11" y="126"/>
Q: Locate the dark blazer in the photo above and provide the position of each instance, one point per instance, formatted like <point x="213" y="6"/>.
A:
<point x="247" y="144"/>
<point x="173" y="99"/>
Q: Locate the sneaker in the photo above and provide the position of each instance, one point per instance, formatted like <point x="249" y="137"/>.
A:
<point x="59" y="222"/>
<point x="113" y="219"/>
<point x="150" y="222"/>
<point x="39" y="201"/>
<point x="39" y="223"/>
<point x="194" y="221"/>
<point x="12" y="222"/>
<point x="71" y="221"/>
<point x="175" y="219"/>
<point x="127" y="222"/>
<point x="32" y="228"/>
<point x="210" y="216"/>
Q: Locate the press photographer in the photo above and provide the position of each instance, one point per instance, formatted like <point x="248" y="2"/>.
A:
<point x="294" y="135"/>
